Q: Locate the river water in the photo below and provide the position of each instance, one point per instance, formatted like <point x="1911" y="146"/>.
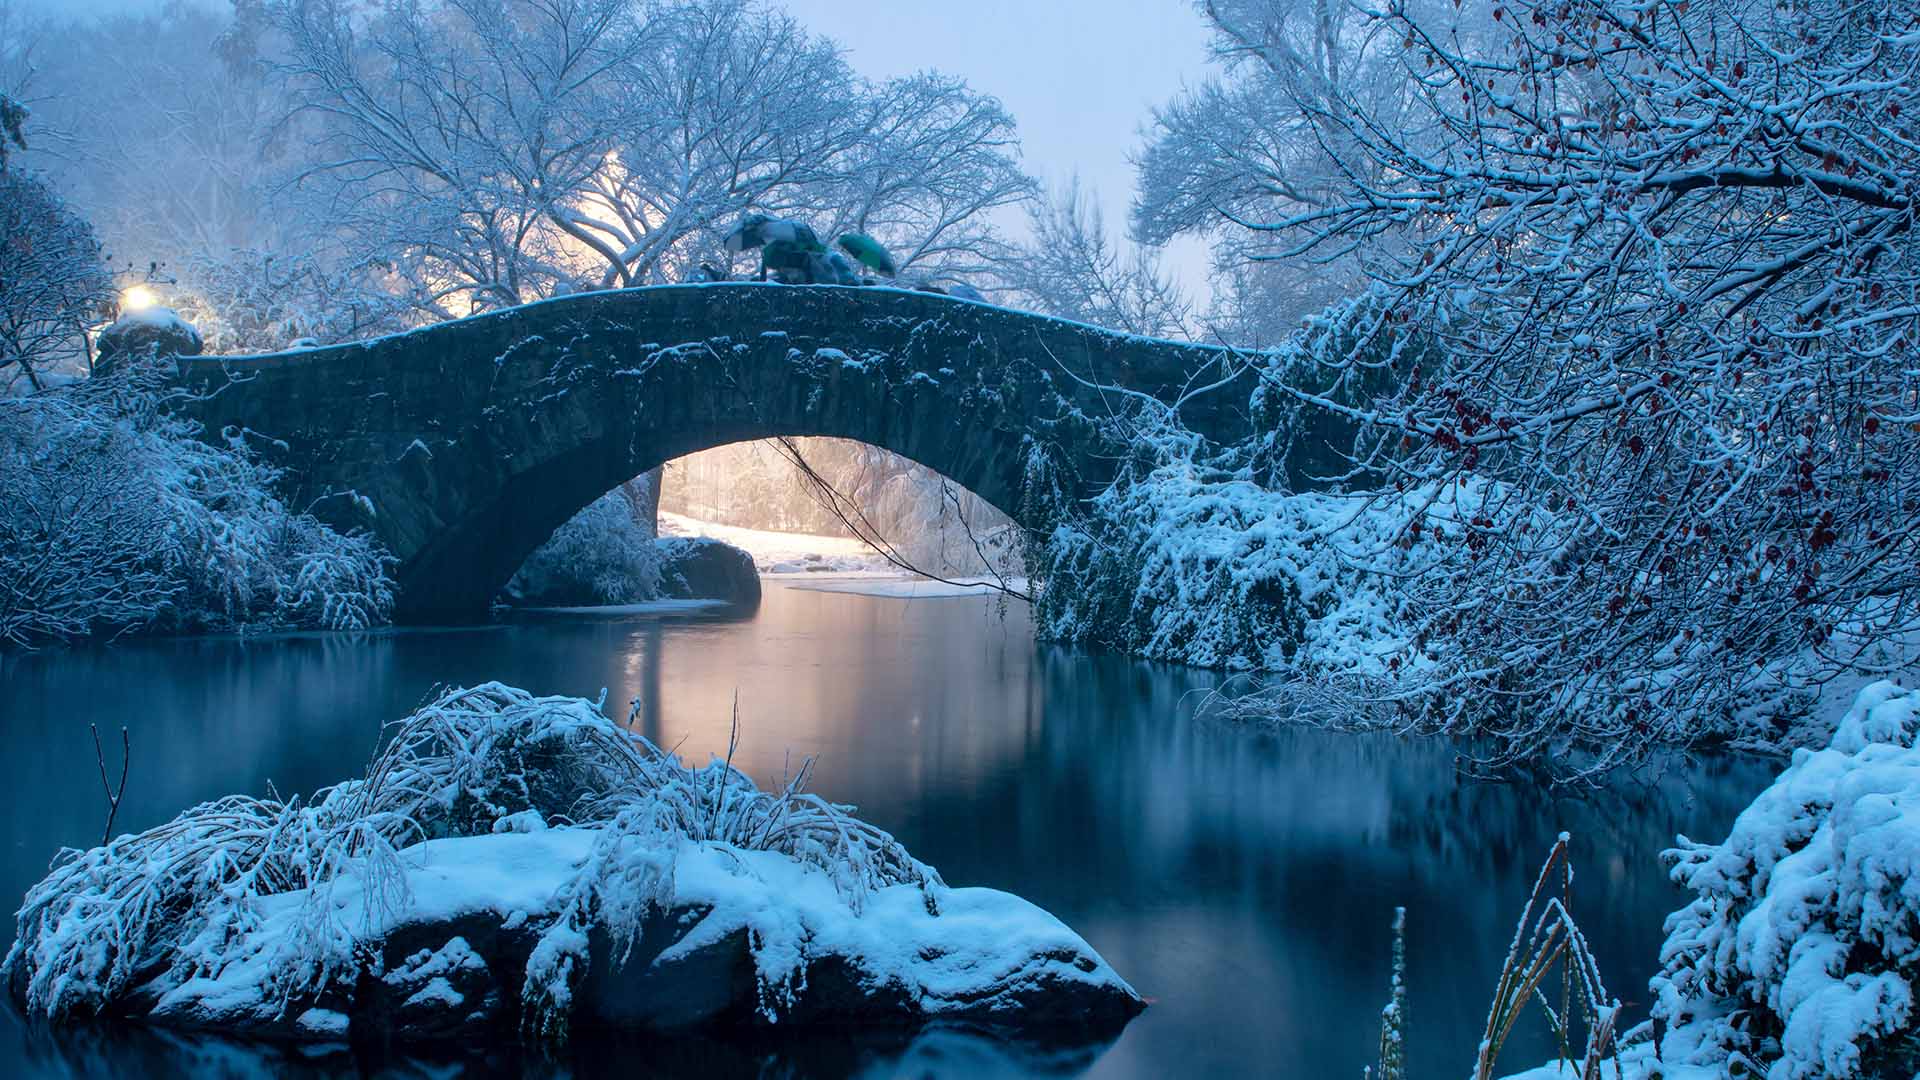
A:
<point x="1242" y="880"/>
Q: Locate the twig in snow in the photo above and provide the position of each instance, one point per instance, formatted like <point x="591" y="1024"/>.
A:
<point x="113" y="794"/>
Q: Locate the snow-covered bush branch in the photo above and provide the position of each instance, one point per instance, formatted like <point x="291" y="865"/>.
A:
<point x="1798" y="954"/>
<point x="1665" y="253"/>
<point x="115" y="516"/>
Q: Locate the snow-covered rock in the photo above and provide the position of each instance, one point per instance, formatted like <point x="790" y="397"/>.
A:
<point x="514" y="864"/>
<point x="702" y="568"/>
<point x="735" y="938"/>
<point x="159" y="329"/>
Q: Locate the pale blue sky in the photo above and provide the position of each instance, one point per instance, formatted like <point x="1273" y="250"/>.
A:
<point x="1080" y="76"/>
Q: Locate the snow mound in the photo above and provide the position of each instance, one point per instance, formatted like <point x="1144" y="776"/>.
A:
<point x="522" y="864"/>
<point x="1801" y="949"/>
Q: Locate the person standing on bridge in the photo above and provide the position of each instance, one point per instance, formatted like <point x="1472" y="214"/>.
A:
<point x="785" y="245"/>
<point x="792" y="251"/>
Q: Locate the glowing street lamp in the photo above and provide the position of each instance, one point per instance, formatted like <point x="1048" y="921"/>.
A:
<point x="137" y="298"/>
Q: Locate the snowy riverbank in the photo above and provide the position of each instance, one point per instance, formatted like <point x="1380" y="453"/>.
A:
<point x="782" y="552"/>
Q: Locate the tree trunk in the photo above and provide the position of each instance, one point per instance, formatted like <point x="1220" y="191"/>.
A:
<point x="643" y="497"/>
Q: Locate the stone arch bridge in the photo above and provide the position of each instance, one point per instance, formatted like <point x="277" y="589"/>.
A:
<point x="462" y="446"/>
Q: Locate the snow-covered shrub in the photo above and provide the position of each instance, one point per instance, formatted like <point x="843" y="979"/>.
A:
<point x="1221" y="572"/>
<point x="600" y="556"/>
<point x="339" y="581"/>
<point x="1799" y="956"/>
<point x="82" y="533"/>
<point x="165" y="906"/>
<point x="115" y="516"/>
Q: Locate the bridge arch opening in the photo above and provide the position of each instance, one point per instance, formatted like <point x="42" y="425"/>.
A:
<point x="809" y="505"/>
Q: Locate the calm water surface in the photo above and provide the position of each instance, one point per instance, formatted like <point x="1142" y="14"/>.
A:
<point x="1244" y="881"/>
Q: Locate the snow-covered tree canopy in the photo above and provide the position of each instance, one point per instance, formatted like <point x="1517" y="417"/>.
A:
<point x="1073" y="270"/>
<point x="1242" y="148"/>
<point x="1666" y="252"/>
<point x="53" y="282"/>
<point x="332" y="170"/>
<point x="163" y="129"/>
<point x="505" y="151"/>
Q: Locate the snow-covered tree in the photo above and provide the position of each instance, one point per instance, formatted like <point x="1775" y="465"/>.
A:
<point x="499" y="152"/>
<point x="54" y="283"/>
<point x="1665" y="252"/>
<point x="455" y="135"/>
<point x="936" y="158"/>
<point x="1073" y="269"/>
<point x="1239" y="150"/>
<point x="174" y="146"/>
<point x="53" y="278"/>
<point x="168" y="121"/>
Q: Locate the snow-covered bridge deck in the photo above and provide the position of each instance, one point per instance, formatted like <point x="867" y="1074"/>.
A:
<point x="464" y="445"/>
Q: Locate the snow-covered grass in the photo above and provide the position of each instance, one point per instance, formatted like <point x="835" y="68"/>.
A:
<point x="1797" y="958"/>
<point x="115" y="516"/>
<point x="275" y="900"/>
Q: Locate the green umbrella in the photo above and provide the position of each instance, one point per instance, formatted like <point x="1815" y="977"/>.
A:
<point x="868" y="253"/>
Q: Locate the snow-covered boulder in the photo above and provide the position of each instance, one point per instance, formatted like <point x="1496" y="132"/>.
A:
<point x="520" y="865"/>
<point x="702" y="568"/>
<point x="1799" y="956"/>
<point x="720" y="936"/>
<point x="157" y="329"/>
